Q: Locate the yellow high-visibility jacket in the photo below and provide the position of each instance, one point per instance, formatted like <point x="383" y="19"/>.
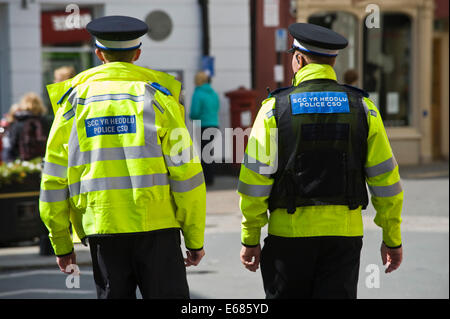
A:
<point x="381" y="171"/>
<point x="119" y="158"/>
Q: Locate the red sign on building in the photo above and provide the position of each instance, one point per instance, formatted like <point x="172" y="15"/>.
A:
<point x="60" y="27"/>
<point x="440" y="9"/>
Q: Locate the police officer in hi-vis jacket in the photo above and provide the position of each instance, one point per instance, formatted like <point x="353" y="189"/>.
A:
<point x="312" y="149"/>
<point x="120" y="167"/>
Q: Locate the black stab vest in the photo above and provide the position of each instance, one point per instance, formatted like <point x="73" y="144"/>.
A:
<point x="321" y="156"/>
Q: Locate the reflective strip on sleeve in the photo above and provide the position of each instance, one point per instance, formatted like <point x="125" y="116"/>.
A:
<point x="366" y="108"/>
<point x="386" y="191"/>
<point x="121" y="182"/>
<point x="384" y="167"/>
<point x="158" y="106"/>
<point x="254" y="190"/>
<point x="55" y="170"/>
<point x="270" y="113"/>
<point x="185" y="156"/>
<point x="53" y="195"/>
<point x="73" y="100"/>
<point x="188" y="184"/>
<point x="69" y="114"/>
<point x="257" y="166"/>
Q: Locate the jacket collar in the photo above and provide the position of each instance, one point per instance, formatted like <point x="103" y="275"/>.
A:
<point x="314" y="71"/>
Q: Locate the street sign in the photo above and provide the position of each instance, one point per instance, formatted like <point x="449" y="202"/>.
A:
<point x="280" y="40"/>
<point x="208" y="65"/>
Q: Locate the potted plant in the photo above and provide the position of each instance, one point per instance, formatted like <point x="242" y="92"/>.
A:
<point x="21" y="176"/>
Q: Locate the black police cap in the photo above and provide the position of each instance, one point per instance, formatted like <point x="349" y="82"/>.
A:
<point x="117" y="28"/>
<point x="319" y="37"/>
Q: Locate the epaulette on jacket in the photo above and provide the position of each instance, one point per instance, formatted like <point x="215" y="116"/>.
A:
<point x="64" y="95"/>
<point x="354" y="88"/>
<point x="278" y="91"/>
<point x="160" y="88"/>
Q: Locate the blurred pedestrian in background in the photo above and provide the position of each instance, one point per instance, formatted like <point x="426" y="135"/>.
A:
<point x="205" y="107"/>
<point x="27" y="132"/>
<point x="6" y="121"/>
<point x="351" y="77"/>
<point x="63" y="73"/>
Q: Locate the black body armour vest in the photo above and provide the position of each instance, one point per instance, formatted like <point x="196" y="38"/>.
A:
<point x="322" y="146"/>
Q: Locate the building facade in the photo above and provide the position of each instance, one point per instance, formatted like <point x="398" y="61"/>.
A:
<point x="35" y="40"/>
<point x="398" y="48"/>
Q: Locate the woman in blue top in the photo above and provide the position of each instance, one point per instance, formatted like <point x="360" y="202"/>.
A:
<point x="205" y="107"/>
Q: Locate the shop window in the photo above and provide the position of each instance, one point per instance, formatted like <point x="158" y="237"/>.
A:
<point x="64" y="43"/>
<point x="387" y="67"/>
<point x="345" y="24"/>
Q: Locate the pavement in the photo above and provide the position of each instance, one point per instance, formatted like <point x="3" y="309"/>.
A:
<point x="425" y="227"/>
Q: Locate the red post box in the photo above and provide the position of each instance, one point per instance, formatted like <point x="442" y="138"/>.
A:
<point x="243" y="110"/>
<point x="242" y="107"/>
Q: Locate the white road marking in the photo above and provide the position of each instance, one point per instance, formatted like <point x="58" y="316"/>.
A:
<point x="39" y="272"/>
<point x="45" y="291"/>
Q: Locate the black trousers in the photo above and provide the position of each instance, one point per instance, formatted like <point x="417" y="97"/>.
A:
<point x="152" y="261"/>
<point x="208" y="168"/>
<point x="311" y="267"/>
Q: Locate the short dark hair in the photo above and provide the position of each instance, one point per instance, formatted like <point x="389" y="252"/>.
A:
<point x="319" y="59"/>
<point x="119" y="56"/>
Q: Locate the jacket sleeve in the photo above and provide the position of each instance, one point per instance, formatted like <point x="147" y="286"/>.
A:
<point x="255" y="181"/>
<point x="383" y="178"/>
<point x="54" y="195"/>
<point x="185" y="175"/>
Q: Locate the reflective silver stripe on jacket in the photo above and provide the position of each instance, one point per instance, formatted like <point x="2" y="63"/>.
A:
<point x="149" y="150"/>
<point x="54" y="195"/>
<point x="69" y="114"/>
<point x="115" y="153"/>
<point x="186" y="185"/>
<point x="133" y="182"/>
<point x="257" y="166"/>
<point x="254" y="190"/>
<point x="185" y="156"/>
<point x="384" y="167"/>
<point x="386" y="191"/>
<point x="111" y="97"/>
<point x="55" y="170"/>
<point x="158" y="106"/>
<point x="367" y="110"/>
<point x="150" y="130"/>
<point x="73" y="100"/>
<point x="121" y="182"/>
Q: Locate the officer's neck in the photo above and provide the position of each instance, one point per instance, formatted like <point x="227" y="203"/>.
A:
<point x="313" y="71"/>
